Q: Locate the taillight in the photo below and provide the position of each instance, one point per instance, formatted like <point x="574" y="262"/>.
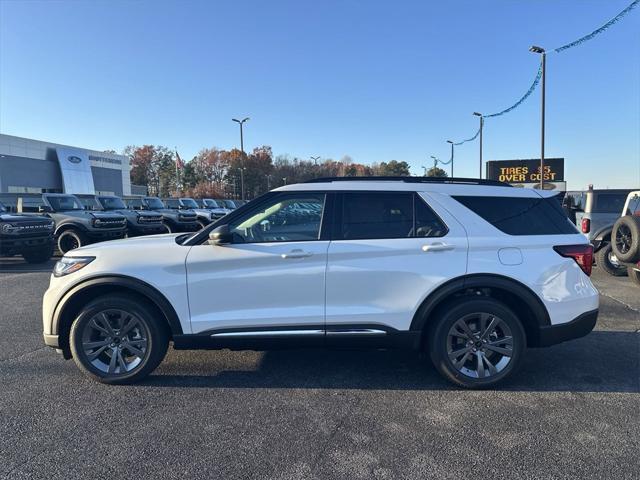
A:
<point x="582" y="254"/>
<point x="586" y="225"/>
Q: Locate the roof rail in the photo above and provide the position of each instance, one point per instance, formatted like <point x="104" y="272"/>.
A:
<point x="452" y="180"/>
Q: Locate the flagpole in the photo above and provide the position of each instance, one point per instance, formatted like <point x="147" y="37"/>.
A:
<point x="177" y="175"/>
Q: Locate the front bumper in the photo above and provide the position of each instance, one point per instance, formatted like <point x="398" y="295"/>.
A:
<point x="576" y="328"/>
<point x="10" y="246"/>
<point x="96" y="235"/>
<point x="149" y="229"/>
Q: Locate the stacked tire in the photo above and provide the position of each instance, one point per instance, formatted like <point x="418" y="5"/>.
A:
<point x="625" y="242"/>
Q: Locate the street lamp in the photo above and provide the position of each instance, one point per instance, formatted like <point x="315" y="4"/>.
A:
<point x="481" y="125"/>
<point x="284" y="180"/>
<point x="315" y="159"/>
<point x="268" y="182"/>
<point x="451" y="142"/>
<point x="435" y="164"/>
<point x="241" y="123"/>
<point x="542" y="52"/>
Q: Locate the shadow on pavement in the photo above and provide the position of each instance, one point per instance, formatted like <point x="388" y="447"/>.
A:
<point x="603" y="361"/>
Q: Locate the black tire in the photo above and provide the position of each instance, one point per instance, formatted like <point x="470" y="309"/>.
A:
<point x="634" y="275"/>
<point x="169" y="228"/>
<point x="150" y="335"/>
<point x="40" y="255"/>
<point x="608" y="264"/>
<point x="69" y="240"/>
<point x="466" y="309"/>
<point x="625" y="238"/>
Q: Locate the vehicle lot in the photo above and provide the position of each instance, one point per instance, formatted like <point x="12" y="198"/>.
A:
<point x="572" y="411"/>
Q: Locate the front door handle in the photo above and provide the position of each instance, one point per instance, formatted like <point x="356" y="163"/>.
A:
<point x="297" y="253"/>
<point x="437" y="247"/>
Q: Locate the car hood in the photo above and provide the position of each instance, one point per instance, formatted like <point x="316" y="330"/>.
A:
<point x="128" y="245"/>
<point x="90" y="214"/>
<point x="12" y="217"/>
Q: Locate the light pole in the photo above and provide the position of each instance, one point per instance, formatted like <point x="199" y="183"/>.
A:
<point x="542" y="52"/>
<point x="451" y="142"/>
<point x="241" y="123"/>
<point x="268" y="182"/>
<point x="315" y="159"/>
<point x="481" y="125"/>
<point x="425" y="170"/>
<point x="284" y="180"/>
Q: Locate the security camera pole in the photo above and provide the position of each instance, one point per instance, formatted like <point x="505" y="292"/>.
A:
<point x="241" y="122"/>
<point x="481" y="126"/>
<point x="541" y="51"/>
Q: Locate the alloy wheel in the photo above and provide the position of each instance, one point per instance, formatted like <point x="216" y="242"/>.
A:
<point x="115" y="342"/>
<point x="623" y="238"/>
<point x="480" y="345"/>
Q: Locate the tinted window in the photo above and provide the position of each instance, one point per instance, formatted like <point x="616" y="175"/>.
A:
<point x="287" y="218"/>
<point x="371" y="215"/>
<point x="154" y="203"/>
<point x="634" y="206"/>
<point x="66" y="202"/>
<point x="172" y="203"/>
<point x="112" y="203"/>
<point x="31" y="204"/>
<point x="189" y="203"/>
<point x="521" y="216"/>
<point x="609" y="202"/>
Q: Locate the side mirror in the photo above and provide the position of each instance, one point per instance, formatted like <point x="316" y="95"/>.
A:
<point x="220" y="236"/>
<point x="44" y="209"/>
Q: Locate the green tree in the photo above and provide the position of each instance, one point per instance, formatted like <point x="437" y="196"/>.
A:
<point x="392" y="169"/>
<point x="436" y="172"/>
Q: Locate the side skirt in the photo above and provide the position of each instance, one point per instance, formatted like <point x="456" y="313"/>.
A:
<point x="313" y="336"/>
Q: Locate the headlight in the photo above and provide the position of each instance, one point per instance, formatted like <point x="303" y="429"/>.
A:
<point x="67" y="265"/>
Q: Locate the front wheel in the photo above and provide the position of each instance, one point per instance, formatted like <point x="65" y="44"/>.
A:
<point x="607" y="261"/>
<point x="118" y="339"/>
<point x="70" y="240"/>
<point x="38" y="256"/>
<point x="476" y="343"/>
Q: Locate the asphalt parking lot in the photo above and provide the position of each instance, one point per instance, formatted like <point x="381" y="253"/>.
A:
<point x="572" y="412"/>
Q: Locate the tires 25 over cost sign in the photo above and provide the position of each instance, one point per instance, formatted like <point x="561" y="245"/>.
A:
<point x="525" y="171"/>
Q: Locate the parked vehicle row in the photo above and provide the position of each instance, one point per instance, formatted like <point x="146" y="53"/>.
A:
<point x="78" y="220"/>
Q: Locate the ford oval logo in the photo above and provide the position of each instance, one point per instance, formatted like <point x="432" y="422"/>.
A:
<point x="74" y="159"/>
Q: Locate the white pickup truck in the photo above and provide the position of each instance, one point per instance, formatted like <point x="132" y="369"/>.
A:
<point x="625" y="236"/>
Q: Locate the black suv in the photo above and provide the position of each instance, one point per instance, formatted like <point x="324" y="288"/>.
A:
<point x="174" y="219"/>
<point x="26" y="235"/>
<point x="139" y="222"/>
<point x="74" y="226"/>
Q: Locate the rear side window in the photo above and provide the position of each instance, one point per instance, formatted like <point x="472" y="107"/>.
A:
<point x="634" y="206"/>
<point x="521" y="216"/>
<point x="609" y="202"/>
<point x="378" y="215"/>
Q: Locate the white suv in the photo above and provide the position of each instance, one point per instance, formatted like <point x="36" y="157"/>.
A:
<point x="472" y="272"/>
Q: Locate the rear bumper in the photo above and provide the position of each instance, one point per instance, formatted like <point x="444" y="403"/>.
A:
<point x="576" y="328"/>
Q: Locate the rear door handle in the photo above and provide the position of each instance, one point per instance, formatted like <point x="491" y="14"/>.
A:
<point x="437" y="247"/>
<point x="297" y="253"/>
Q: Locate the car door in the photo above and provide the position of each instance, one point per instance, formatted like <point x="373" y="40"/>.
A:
<point x="388" y="252"/>
<point x="272" y="275"/>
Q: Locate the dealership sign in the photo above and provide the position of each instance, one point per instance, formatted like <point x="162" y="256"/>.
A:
<point x="525" y="171"/>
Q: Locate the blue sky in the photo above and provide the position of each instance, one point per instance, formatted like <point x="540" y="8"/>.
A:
<point x="375" y="80"/>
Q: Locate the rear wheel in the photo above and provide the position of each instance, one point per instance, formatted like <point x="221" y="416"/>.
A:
<point x="608" y="262"/>
<point x="476" y="343"/>
<point x="118" y="339"/>
<point x="70" y="240"/>
<point x="634" y="275"/>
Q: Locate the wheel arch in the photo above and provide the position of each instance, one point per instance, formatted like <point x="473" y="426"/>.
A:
<point x="78" y="296"/>
<point x="63" y="227"/>
<point x="518" y="297"/>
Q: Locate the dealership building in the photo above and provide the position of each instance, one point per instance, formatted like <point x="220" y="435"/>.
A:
<point x="34" y="166"/>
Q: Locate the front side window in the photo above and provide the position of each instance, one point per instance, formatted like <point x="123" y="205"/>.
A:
<point x="379" y="215"/>
<point x="287" y="218"/>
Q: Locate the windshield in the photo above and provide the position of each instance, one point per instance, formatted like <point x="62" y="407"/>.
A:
<point x="65" y="202"/>
<point x="210" y="203"/>
<point x="154" y="203"/>
<point x="112" y="203"/>
<point x="189" y="203"/>
<point x="172" y="203"/>
<point x="227" y="204"/>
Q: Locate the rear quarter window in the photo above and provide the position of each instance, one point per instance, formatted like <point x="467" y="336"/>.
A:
<point x="521" y="216"/>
